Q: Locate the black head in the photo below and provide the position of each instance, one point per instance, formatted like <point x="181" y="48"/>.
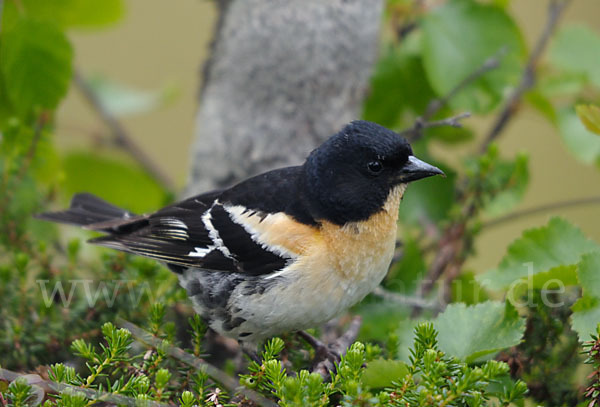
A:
<point x="350" y="176"/>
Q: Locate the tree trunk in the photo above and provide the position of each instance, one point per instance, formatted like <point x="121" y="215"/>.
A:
<point x="283" y="76"/>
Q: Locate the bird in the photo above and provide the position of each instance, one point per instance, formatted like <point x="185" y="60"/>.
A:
<point x="282" y="251"/>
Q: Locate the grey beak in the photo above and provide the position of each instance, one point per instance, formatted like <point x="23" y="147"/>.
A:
<point x="415" y="169"/>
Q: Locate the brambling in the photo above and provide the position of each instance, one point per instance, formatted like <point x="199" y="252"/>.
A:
<point x="282" y="251"/>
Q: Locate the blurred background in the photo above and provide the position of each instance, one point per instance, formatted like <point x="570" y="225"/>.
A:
<point x="158" y="50"/>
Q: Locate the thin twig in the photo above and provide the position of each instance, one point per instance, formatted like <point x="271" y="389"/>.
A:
<point x="421" y="124"/>
<point x="53" y="387"/>
<point x="528" y="78"/>
<point x="410" y="301"/>
<point x="450" y="121"/>
<point x="435" y="105"/>
<point x="120" y="135"/>
<point x="488" y="65"/>
<point x="541" y="209"/>
<point x="189" y="359"/>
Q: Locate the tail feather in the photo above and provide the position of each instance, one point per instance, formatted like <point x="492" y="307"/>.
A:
<point x="88" y="210"/>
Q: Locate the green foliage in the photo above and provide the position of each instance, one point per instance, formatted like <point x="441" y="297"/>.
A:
<point x="114" y="370"/>
<point x="590" y="117"/>
<point x="20" y="393"/>
<point x="539" y="250"/>
<point x="431" y="378"/>
<point x="394" y="92"/>
<point x="68" y="304"/>
<point x="500" y="183"/>
<point x="592" y="350"/>
<point x="436" y="379"/>
<point x="586" y="311"/>
<point x="430" y="199"/>
<point x="581" y="142"/>
<point x="107" y="177"/>
<point x="381" y="373"/>
<point x="405" y="274"/>
<point x="449" y="59"/>
<point x="547" y="359"/>
<point x="576" y="49"/>
<point x="484" y="329"/>
<point x="466" y="289"/>
<point x="35" y="61"/>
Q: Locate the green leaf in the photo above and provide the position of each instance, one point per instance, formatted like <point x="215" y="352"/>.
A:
<point x="586" y="311"/>
<point x="576" y="48"/>
<point x="380" y="373"/>
<point x="584" y="144"/>
<point x="585" y="317"/>
<point x="588" y="274"/>
<point x="538" y="250"/>
<point x="553" y="279"/>
<point x="589" y="116"/>
<point x="76" y="13"/>
<point x="121" y="100"/>
<point x="379" y="319"/>
<point x="471" y="332"/>
<point x="406" y="336"/>
<point x="458" y="37"/>
<point x="466" y="289"/>
<point x="35" y="60"/>
<point x="117" y="182"/>
<point x="542" y="104"/>
<point x="394" y="92"/>
<point x="448" y="134"/>
<point x="561" y="84"/>
<point x="561" y="275"/>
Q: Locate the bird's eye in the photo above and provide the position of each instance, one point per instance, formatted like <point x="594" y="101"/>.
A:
<point x="375" y="167"/>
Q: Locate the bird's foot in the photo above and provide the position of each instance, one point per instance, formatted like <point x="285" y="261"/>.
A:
<point x="250" y="351"/>
<point x="327" y="356"/>
<point x="323" y="351"/>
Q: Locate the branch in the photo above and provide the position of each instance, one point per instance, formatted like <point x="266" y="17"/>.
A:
<point x="48" y="386"/>
<point x="421" y="124"/>
<point x="488" y="65"/>
<point x="453" y="121"/>
<point x="528" y="78"/>
<point x="220" y="376"/>
<point x="435" y="105"/>
<point x="541" y="209"/>
<point x="120" y="136"/>
<point x="415" y="302"/>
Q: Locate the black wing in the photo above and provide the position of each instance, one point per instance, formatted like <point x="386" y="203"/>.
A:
<point x="201" y="232"/>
